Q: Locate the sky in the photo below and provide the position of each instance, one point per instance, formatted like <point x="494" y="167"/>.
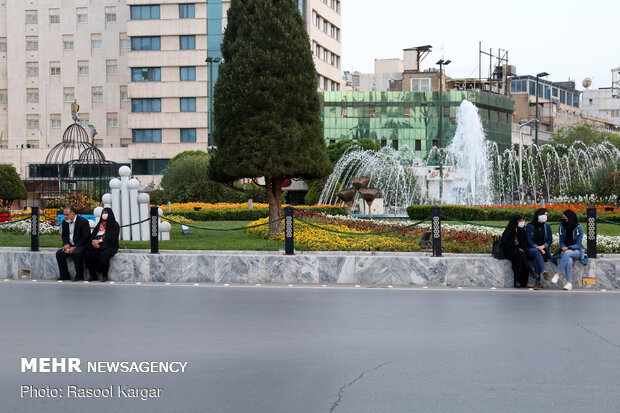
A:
<point x="568" y="39"/>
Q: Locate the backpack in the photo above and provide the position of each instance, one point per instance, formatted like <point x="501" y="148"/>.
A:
<point x="496" y="251"/>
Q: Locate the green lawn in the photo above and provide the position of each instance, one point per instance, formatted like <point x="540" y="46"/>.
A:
<point x="198" y="240"/>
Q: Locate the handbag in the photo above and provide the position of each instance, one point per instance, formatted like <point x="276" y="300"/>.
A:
<point x="496" y="251"/>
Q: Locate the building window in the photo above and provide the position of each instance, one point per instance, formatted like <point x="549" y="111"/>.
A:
<point x="188" y="104"/>
<point x="436" y="143"/>
<point x="146" y="43"/>
<point x="125" y="43"/>
<point x="111" y="68"/>
<point x="55" y="123"/>
<point x="420" y="84"/>
<point x="32" y="96"/>
<point x="188" y="135"/>
<point x="188" y="73"/>
<point x="95" y="41"/>
<point x="97" y="94"/>
<point x="554" y="92"/>
<point x="146" y="105"/>
<point x="547" y="92"/>
<point x="145" y="74"/>
<point x="83" y="68"/>
<point x="67" y="44"/>
<point x="32" y="17"/>
<point x="187" y="11"/>
<point x="395" y="144"/>
<point x="55" y="71"/>
<point x="144" y="12"/>
<point x="3" y="46"/>
<point x="110" y="17"/>
<point x="518" y="86"/>
<point x="187" y="42"/>
<point x="124" y="94"/>
<point x="324" y="83"/>
<point x="418" y="144"/>
<point x="32" y="69"/>
<point x="4" y="97"/>
<point x="32" y="44"/>
<point x="318" y="21"/>
<point x="32" y="123"/>
<point x="112" y="122"/>
<point x="82" y="16"/>
<point x="54" y="16"/>
<point x="325" y="26"/>
<point x="318" y="51"/>
<point x="383" y="142"/>
<point x="68" y="94"/>
<point x="146" y="135"/>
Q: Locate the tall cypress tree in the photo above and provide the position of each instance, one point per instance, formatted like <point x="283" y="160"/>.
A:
<point x="266" y="107"/>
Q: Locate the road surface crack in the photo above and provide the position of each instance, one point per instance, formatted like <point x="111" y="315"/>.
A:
<point x="592" y="332"/>
<point x="341" y="390"/>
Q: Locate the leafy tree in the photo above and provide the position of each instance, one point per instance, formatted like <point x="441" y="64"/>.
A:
<point x="182" y="155"/>
<point x="11" y="186"/>
<point x="606" y="181"/>
<point x="266" y="107"/>
<point x="337" y="149"/>
<point x="584" y="132"/>
<point x="187" y="180"/>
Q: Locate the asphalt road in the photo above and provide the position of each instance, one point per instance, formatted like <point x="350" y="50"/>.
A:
<point x="301" y="349"/>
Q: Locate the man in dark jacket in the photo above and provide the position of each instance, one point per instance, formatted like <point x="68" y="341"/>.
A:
<point x="75" y="239"/>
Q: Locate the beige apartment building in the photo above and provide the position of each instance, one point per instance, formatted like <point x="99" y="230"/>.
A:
<point x="137" y="69"/>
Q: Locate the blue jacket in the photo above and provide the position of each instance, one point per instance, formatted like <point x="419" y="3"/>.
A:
<point x="529" y="234"/>
<point x="577" y="246"/>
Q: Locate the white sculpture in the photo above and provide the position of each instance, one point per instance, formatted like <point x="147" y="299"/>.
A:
<point x="131" y="207"/>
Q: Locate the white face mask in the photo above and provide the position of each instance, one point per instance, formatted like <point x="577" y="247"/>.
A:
<point x="104" y="216"/>
<point x="542" y="218"/>
<point x="521" y="224"/>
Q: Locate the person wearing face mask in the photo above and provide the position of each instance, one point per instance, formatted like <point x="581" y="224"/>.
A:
<point x="514" y="246"/>
<point x="571" y="248"/>
<point x="103" y="245"/>
<point x="539" y="238"/>
<point x="75" y="233"/>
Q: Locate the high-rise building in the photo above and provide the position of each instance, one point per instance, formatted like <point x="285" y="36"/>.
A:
<point x="53" y="52"/>
<point x="142" y="72"/>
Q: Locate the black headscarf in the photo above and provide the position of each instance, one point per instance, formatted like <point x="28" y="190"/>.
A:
<point x="512" y="232"/>
<point x="111" y="218"/>
<point x="539" y="212"/>
<point x="569" y="226"/>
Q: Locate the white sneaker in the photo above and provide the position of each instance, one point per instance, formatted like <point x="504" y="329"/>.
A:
<point x="555" y="279"/>
<point x="568" y="286"/>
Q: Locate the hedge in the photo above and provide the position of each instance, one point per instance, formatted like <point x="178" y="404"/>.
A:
<point x="467" y="213"/>
<point x="246" y="214"/>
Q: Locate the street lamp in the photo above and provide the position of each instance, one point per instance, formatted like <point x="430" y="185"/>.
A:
<point x="441" y="64"/>
<point x="210" y="60"/>
<point x="521" y="125"/>
<point x="539" y="75"/>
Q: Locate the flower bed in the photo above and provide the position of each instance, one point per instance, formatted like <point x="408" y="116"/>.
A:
<point x="455" y="238"/>
<point x="23" y="227"/>
<point x="199" y="211"/>
<point x="504" y="212"/>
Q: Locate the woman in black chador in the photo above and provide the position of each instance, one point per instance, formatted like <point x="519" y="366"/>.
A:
<point x="514" y="246"/>
<point x="103" y="245"/>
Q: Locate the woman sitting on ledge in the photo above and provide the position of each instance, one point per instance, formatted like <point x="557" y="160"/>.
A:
<point x="539" y="239"/>
<point x="514" y="244"/>
<point x="103" y="245"/>
<point x="571" y="249"/>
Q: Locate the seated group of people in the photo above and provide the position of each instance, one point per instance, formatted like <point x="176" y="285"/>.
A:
<point x="93" y="249"/>
<point x="521" y="244"/>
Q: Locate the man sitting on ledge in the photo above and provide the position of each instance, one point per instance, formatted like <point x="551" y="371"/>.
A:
<point x="75" y="239"/>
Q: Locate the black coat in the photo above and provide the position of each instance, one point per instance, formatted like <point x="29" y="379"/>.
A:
<point x="109" y="246"/>
<point x="81" y="232"/>
<point x="510" y="234"/>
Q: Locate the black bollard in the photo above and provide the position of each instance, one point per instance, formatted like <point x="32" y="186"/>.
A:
<point x="154" y="230"/>
<point x="436" y="230"/>
<point x="34" y="229"/>
<point x="591" y="232"/>
<point x="289" y="230"/>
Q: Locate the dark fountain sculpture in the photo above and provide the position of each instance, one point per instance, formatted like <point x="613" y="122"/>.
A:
<point x="360" y="184"/>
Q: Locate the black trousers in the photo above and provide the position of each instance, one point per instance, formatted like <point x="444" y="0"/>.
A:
<point x="521" y="266"/>
<point x="78" y="260"/>
<point x="97" y="262"/>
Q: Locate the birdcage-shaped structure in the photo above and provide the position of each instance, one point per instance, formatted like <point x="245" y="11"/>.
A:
<point x="75" y="165"/>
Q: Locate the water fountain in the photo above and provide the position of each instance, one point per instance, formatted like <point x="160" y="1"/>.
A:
<point x="474" y="170"/>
